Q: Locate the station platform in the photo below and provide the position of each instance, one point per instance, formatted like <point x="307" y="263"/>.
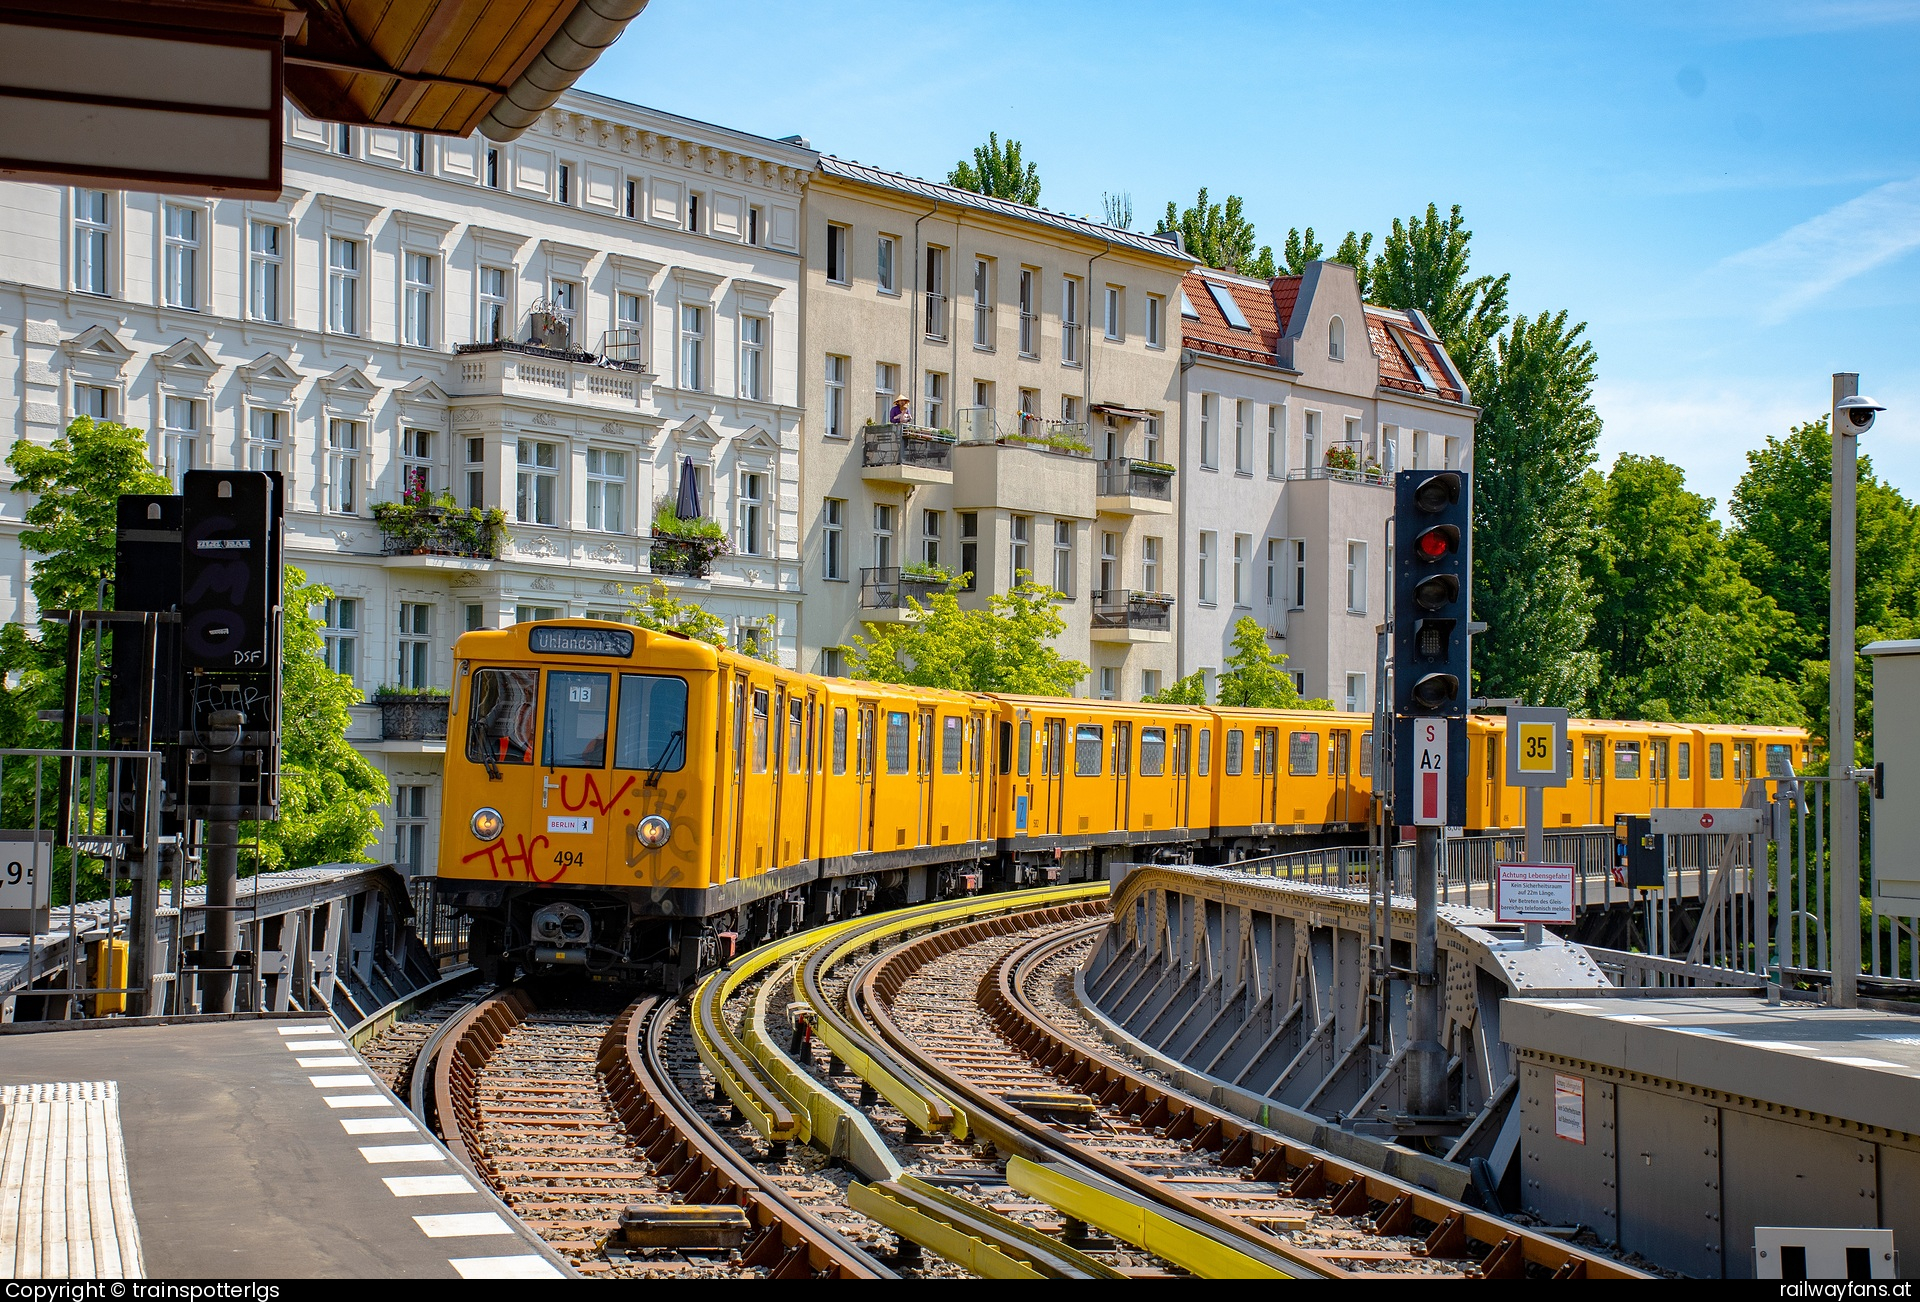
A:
<point x="242" y="1148"/>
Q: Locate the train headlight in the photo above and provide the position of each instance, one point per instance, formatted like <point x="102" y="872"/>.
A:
<point x="487" y="822"/>
<point x="654" y="831"/>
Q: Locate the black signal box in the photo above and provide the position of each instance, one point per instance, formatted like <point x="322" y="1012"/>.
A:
<point x="1639" y="854"/>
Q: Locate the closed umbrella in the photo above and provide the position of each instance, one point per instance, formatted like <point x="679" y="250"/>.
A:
<point x="687" y="505"/>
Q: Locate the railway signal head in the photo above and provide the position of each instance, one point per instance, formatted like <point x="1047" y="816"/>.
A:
<point x="1432" y="584"/>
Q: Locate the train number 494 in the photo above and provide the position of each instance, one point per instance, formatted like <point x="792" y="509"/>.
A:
<point x="570" y="859"/>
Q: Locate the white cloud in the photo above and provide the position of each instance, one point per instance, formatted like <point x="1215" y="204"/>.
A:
<point x="1707" y="433"/>
<point x="1796" y="267"/>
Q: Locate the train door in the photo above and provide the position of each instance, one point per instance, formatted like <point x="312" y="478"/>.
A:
<point x="1342" y="762"/>
<point x="1659" y="795"/>
<point x="1023" y="809"/>
<point x="977" y="776"/>
<point x="1054" y="766"/>
<point x="1122" y="773"/>
<point x="1496" y="784"/>
<point x="1266" y="762"/>
<point x="863" y="776"/>
<point x="1182" y="779"/>
<point x="816" y="713"/>
<point x="925" y="774"/>
<point x="731" y="868"/>
<point x="1594" y="772"/>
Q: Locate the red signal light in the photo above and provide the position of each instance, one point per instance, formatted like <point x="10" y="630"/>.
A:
<point x="1432" y="544"/>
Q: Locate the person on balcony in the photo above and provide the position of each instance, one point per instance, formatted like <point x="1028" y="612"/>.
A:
<point x="901" y="413"/>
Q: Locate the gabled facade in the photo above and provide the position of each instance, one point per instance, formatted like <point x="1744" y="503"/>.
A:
<point x="1298" y="403"/>
<point x="1038" y="357"/>
<point x="551" y="327"/>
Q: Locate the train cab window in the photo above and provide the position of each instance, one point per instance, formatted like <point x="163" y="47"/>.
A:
<point x="1626" y="760"/>
<point x="839" y="740"/>
<point x="761" y="706"/>
<point x="1088" y="741"/>
<point x="1206" y="750"/>
<point x="650" y="730"/>
<point x="1236" y="743"/>
<point x="899" y="741"/>
<point x="575" y="733"/>
<point x="1779" y="761"/>
<point x="1366" y="754"/>
<point x="953" y="742"/>
<point x="1716" y="760"/>
<point x="1303" y="754"/>
<point x="1683" y="762"/>
<point x="1023" y="753"/>
<point x="796" y="736"/>
<point x="500" y="716"/>
<point x="1153" y="752"/>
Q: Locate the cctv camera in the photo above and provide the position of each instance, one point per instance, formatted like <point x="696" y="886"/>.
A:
<point x="1859" y="412"/>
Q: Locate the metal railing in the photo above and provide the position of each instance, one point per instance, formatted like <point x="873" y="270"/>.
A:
<point x="1377" y="478"/>
<point x="903" y="445"/>
<point x="936" y="316"/>
<point x="1128" y="477"/>
<point x="889" y="587"/>
<point x="421" y="530"/>
<point x="686" y="558"/>
<point x="1121" y="608"/>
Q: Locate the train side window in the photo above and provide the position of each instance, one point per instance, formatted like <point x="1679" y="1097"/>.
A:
<point x="1684" y="768"/>
<point x="1779" y="760"/>
<point x="651" y="727"/>
<point x="575" y="734"/>
<point x="500" y="715"/>
<point x="1206" y="750"/>
<point x="1303" y="754"/>
<point x="761" y="705"/>
<point x="1023" y="753"/>
<point x="1716" y="760"/>
<point x="796" y="735"/>
<point x="953" y="742"/>
<point x="1005" y="735"/>
<point x="1366" y="754"/>
<point x="1088" y="742"/>
<point x="1236" y="741"/>
<point x="899" y="741"/>
<point x="1626" y="760"/>
<point x="1153" y="752"/>
<point x="839" y="740"/>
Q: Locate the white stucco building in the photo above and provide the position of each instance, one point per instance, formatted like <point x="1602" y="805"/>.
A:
<point x="369" y="333"/>
<point x="1298" y="402"/>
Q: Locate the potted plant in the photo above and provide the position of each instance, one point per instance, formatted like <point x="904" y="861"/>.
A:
<point x="685" y="547"/>
<point x="1342" y="457"/>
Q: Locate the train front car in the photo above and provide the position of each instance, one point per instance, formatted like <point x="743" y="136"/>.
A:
<point x="578" y="803"/>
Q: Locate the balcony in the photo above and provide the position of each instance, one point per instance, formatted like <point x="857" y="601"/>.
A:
<point x="438" y="535"/>
<point x="1120" y="615"/>
<point x="681" y="556"/>
<point x="611" y="381"/>
<point x="1348" y="462"/>
<point x="886" y="594"/>
<point x="906" y="454"/>
<point x="411" y="716"/>
<point x="1036" y="466"/>
<point x="1132" y="487"/>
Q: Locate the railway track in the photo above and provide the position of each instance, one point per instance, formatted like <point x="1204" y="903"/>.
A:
<point x="591" y="1131"/>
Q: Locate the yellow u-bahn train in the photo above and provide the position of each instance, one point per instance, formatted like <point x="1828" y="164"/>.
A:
<point x="641" y="804"/>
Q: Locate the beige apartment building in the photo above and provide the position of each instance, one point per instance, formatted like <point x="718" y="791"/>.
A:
<point x="1038" y="358"/>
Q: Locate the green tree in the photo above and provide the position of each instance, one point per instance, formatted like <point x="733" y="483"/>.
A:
<point x="1219" y="236"/>
<point x="656" y="607"/>
<point x="76" y="483"/>
<point x="1007" y="647"/>
<point x="1679" y="630"/>
<point x="998" y="170"/>
<point x="1255" y="675"/>
<point x="1299" y="250"/>
<point x="1117" y="209"/>
<point x="1425" y="264"/>
<point x="1534" y="441"/>
<point x="1191" y="690"/>
<point x="1353" y="252"/>
<point x="330" y="796"/>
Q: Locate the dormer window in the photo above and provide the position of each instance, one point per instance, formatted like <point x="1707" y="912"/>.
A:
<point x="1337" y="339"/>
<point x="1223" y="299"/>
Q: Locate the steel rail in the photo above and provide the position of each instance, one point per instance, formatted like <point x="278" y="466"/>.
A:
<point x="1508" y="1248"/>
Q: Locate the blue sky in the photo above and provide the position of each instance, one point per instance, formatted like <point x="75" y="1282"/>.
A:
<point x="1727" y="193"/>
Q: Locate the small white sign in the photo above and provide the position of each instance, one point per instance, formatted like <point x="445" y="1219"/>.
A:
<point x="25" y="882"/>
<point x="1430" y="773"/>
<point x="1534" y="892"/>
<point x="1570" y="1108"/>
<point x="555" y="824"/>
<point x="1720" y="822"/>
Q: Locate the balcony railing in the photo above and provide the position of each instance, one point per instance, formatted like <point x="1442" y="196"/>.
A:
<point x="889" y="587"/>
<point x="907" y="445"/>
<point x="1377" y="478"/>
<point x="411" y="717"/>
<point x="1121" y="608"/>
<point x="1129" y="477"/>
<point x="685" y="558"/>
<point x="407" y="529"/>
<point x="936" y="316"/>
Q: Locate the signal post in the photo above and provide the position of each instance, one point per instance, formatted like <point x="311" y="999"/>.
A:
<point x="1432" y="603"/>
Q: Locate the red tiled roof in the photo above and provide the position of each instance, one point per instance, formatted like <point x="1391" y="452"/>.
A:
<point x="1399" y="346"/>
<point x="1265" y="306"/>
